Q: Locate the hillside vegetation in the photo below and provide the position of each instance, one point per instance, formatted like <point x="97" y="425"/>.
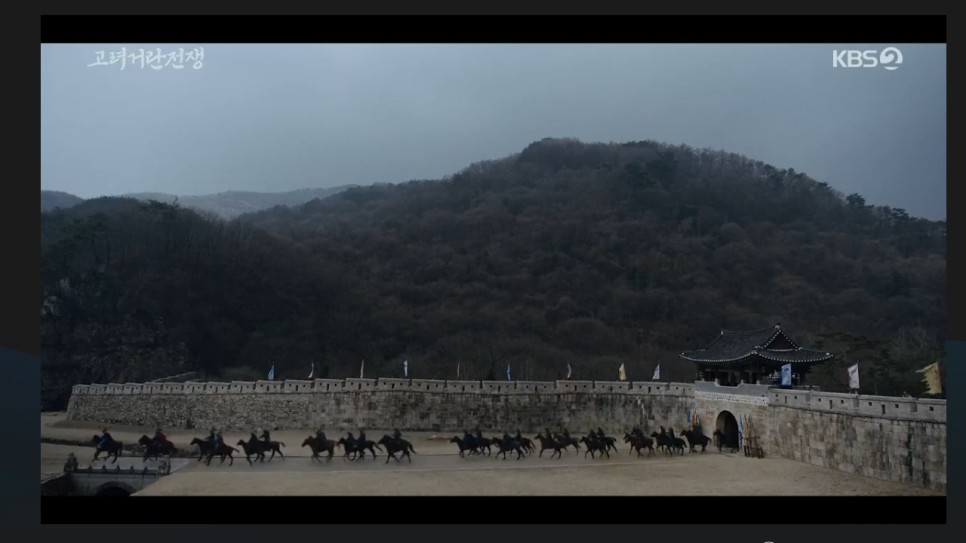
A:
<point x="591" y="255"/>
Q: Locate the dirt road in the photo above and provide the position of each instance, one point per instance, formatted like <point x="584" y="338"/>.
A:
<point x="436" y="469"/>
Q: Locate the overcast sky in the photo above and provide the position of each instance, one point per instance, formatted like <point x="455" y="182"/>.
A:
<point x="283" y="117"/>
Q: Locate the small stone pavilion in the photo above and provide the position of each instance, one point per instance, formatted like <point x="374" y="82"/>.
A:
<point x="754" y="357"/>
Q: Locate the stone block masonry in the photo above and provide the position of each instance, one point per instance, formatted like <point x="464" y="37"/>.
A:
<point x="897" y="439"/>
<point x="415" y="405"/>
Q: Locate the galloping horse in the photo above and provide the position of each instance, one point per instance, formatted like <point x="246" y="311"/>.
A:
<point x="259" y="445"/>
<point x="639" y="442"/>
<point x="696" y="439"/>
<point x="550" y="443"/>
<point x="467" y="444"/>
<point x="204" y="446"/>
<point x="358" y="448"/>
<point x="313" y="443"/>
<point x="250" y="450"/>
<point x="393" y="446"/>
<point x="594" y="445"/>
<point x="112" y="448"/>
<point x="507" y="445"/>
<point x="566" y="440"/>
<point x="155" y="450"/>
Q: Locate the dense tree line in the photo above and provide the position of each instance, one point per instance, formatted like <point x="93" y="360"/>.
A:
<point x="591" y="255"/>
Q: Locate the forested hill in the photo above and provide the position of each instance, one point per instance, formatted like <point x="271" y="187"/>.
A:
<point x="587" y="254"/>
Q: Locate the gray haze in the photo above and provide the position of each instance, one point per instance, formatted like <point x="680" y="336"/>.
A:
<point x="283" y="117"/>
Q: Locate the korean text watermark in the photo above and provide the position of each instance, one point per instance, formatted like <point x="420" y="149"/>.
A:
<point x="148" y="58"/>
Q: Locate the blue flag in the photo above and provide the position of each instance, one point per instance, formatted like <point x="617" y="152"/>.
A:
<point x="406" y="368"/>
<point x="271" y="373"/>
<point x="507" y="372"/>
<point x="787" y="375"/>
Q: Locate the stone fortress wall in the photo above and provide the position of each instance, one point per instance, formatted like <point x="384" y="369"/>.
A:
<point x="898" y="439"/>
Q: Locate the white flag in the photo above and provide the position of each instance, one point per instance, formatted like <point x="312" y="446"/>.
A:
<point x="271" y="373"/>
<point x="406" y="368"/>
<point x="457" y="371"/>
<point x="657" y="373"/>
<point x="787" y="375"/>
<point x="568" y="371"/>
<point x="311" y="373"/>
<point x="854" y="377"/>
<point x="621" y="374"/>
<point x="362" y="368"/>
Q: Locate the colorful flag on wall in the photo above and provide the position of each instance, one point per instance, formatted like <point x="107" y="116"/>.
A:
<point x="406" y="368"/>
<point x="457" y="371"/>
<point x="932" y="378"/>
<point x="311" y="373"/>
<point x="621" y="374"/>
<point x="854" y="377"/>
<point x="568" y="371"/>
<point x="787" y="375"/>
<point x="362" y="369"/>
<point x="271" y="373"/>
<point x="507" y="372"/>
<point x="657" y="373"/>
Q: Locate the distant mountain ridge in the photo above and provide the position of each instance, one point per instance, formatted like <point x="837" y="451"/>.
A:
<point x="227" y="205"/>
<point x="52" y="199"/>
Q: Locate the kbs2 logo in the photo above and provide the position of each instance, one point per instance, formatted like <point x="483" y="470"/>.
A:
<point x="889" y="58"/>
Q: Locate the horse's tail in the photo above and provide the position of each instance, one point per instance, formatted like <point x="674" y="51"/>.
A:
<point x="378" y="447"/>
<point x="280" y="443"/>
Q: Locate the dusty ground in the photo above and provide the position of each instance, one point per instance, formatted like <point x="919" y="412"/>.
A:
<point x="438" y="470"/>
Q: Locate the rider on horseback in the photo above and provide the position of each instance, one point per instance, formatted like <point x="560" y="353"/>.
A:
<point x="160" y="440"/>
<point x="105" y="439"/>
<point x="320" y="437"/>
<point x="213" y="439"/>
<point x="265" y="437"/>
<point x="397" y="436"/>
